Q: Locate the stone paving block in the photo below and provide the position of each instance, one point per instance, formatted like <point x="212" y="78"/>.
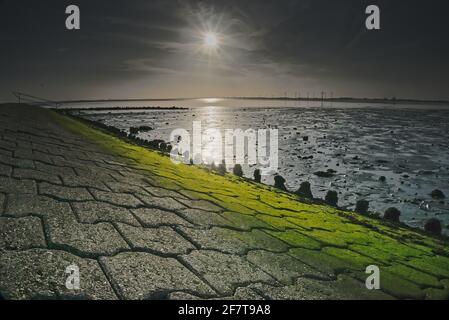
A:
<point x="343" y="288"/>
<point x="94" y="172"/>
<point x="28" y="154"/>
<point x="161" y="192"/>
<point x="5" y="152"/>
<point x="40" y="274"/>
<point x="91" y="240"/>
<point x="63" y="171"/>
<point x="178" y="295"/>
<point x="203" y="218"/>
<point x="120" y="199"/>
<point x="16" y="162"/>
<point x="77" y="181"/>
<point x="14" y="186"/>
<point x="163" y="203"/>
<point x="21" y="233"/>
<point x="32" y="174"/>
<point x="94" y="212"/>
<point x="281" y="266"/>
<point x="19" y="205"/>
<point x="2" y="203"/>
<point x="125" y="188"/>
<point x="231" y="241"/>
<point x="8" y="145"/>
<point x="225" y="272"/>
<point x="152" y="217"/>
<point x="245" y="222"/>
<point x="5" y="170"/>
<point x="64" y="193"/>
<point x="201" y="204"/>
<point x="139" y="275"/>
<point x="162" y="240"/>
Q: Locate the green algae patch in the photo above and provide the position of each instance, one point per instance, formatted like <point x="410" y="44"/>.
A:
<point x="412" y="265"/>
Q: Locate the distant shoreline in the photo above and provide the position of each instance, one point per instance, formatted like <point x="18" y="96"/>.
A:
<point x="341" y="99"/>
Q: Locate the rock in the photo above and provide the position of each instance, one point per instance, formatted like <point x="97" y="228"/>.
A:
<point x="331" y="198"/>
<point x="433" y="226"/>
<point x="238" y="170"/>
<point x="279" y="182"/>
<point x="257" y="176"/>
<point x="382" y="179"/>
<point x="304" y="190"/>
<point x="362" y="206"/>
<point x="324" y="174"/>
<point x="222" y="168"/>
<point x="392" y="214"/>
<point x="305" y="139"/>
<point x="437" y="194"/>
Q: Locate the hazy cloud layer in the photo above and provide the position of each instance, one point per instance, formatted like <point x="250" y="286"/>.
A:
<point x="154" y="48"/>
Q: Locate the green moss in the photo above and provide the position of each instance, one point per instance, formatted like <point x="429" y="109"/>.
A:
<point x="296" y="239"/>
<point x="418" y="277"/>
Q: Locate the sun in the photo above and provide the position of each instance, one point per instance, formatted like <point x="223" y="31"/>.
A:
<point x="211" y="40"/>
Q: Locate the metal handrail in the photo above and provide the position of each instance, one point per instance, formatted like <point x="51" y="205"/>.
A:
<point x="24" y="97"/>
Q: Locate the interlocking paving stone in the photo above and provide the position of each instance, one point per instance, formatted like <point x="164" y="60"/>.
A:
<point x="203" y="218"/>
<point x="94" y="212"/>
<point x="201" y="204"/>
<point x="40" y="273"/>
<point x="36" y="175"/>
<point x="64" y="171"/>
<point x="21" y="233"/>
<point x="65" y="193"/>
<point x="91" y="240"/>
<point x="2" y="203"/>
<point x="281" y="266"/>
<point x="344" y="288"/>
<point x="163" y="240"/>
<point x="126" y="188"/>
<point x="225" y="272"/>
<point x="231" y="241"/>
<point x="5" y="152"/>
<point x="16" y="162"/>
<point x="161" y="192"/>
<point x="77" y="181"/>
<point x="120" y="199"/>
<point x="5" y="170"/>
<point x="139" y="275"/>
<point x="245" y="222"/>
<point x="14" y="186"/>
<point x="152" y="217"/>
<point x="163" y="203"/>
<point x="19" y="205"/>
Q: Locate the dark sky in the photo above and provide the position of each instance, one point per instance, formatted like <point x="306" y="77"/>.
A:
<point x="142" y="48"/>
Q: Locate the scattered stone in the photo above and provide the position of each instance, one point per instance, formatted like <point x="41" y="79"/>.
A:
<point x="392" y="214"/>
<point x="238" y="170"/>
<point x="305" y="139"/>
<point x="304" y="190"/>
<point x="257" y="176"/>
<point x="324" y="174"/>
<point x="433" y="226"/>
<point x="222" y="168"/>
<point x="332" y="198"/>
<point x="437" y="194"/>
<point x="136" y="130"/>
<point x="279" y="182"/>
<point x="362" y="207"/>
